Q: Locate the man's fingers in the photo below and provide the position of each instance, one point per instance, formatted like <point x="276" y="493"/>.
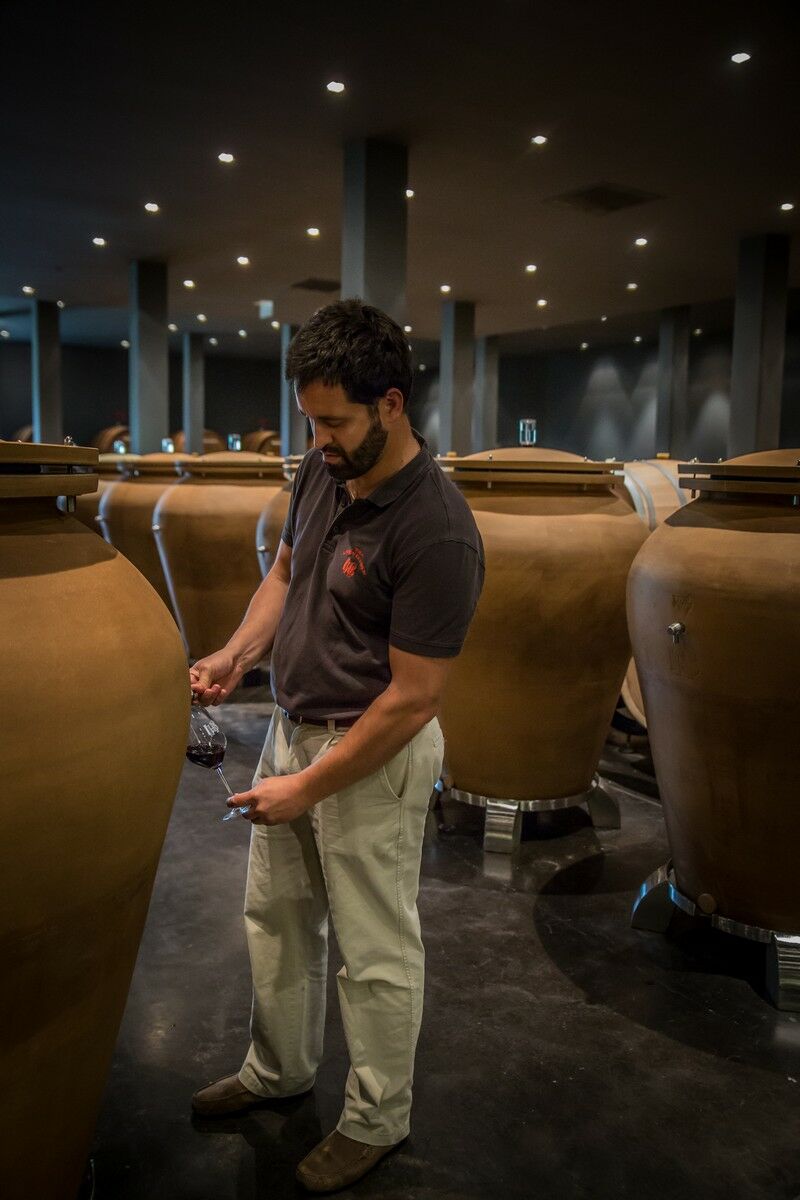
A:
<point x="240" y="799"/>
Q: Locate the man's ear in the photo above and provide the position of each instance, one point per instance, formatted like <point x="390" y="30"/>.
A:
<point x="394" y="405"/>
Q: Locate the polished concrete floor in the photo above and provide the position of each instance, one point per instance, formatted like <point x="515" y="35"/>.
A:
<point x="563" y="1056"/>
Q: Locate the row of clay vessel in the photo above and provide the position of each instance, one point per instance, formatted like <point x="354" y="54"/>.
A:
<point x="711" y="609"/>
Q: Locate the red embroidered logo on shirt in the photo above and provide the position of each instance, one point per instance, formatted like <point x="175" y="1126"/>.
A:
<point x="353" y="562"/>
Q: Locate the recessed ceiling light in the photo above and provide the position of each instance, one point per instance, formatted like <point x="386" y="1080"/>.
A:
<point x="422" y="367"/>
<point x="312" y="231"/>
<point x="152" y="207"/>
<point x="226" y="157"/>
<point x="539" y="140"/>
<point x="242" y="333"/>
<point x="4" y="333"/>
<point x="407" y="328"/>
<point x="99" y="241"/>
<point x="202" y="317"/>
<point x="697" y="332"/>
<point x="787" y="206"/>
<point x="125" y="344"/>
<point x="541" y="303"/>
<point x="335" y="86"/>
<point x="445" y="289"/>
<point x="584" y="345"/>
<point x="275" y="324"/>
<point x="741" y="57"/>
<point x="410" y="193"/>
<point x="641" y="241"/>
<point x="530" y="268"/>
<point x="189" y="283"/>
<point x="637" y="339"/>
<point x="60" y="304"/>
<point x="172" y="328"/>
<point x="631" y="287"/>
<point x="243" y="260"/>
<point x="604" y="318"/>
<point x="28" y="290"/>
<point x="212" y="341"/>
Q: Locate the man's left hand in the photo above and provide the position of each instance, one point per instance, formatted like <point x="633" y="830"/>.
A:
<point x="275" y="800"/>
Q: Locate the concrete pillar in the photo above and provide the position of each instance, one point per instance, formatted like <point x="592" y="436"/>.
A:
<point x="484" y="417"/>
<point x="148" y="361"/>
<point x="48" y="422"/>
<point x="672" y="389"/>
<point x="194" y="391"/>
<point x="374" y="224"/>
<point x="456" y="376"/>
<point x="294" y="427"/>
<point x="759" y="342"/>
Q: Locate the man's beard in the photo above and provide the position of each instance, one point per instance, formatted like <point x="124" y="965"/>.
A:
<point x="363" y="458"/>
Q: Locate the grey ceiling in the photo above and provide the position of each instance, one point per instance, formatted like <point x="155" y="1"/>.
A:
<point x="107" y="106"/>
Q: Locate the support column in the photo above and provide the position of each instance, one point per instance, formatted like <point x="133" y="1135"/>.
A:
<point x="48" y="421"/>
<point x="673" y="382"/>
<point x="484" y="417"/>
<point x="374" y="224"/>
<point x="194" y="392"/>
<point x="456" y="376"/>
<point x="148" y="361"/>
<point x="294" y="427"/>
<point x="759" y="342"/>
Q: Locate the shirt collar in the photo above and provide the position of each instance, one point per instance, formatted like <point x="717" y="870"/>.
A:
<point x="388" y="491"/>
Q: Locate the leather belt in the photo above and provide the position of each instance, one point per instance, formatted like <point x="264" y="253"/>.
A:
<point x="329" y="723"/>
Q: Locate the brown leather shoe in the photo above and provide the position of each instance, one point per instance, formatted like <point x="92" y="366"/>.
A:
<point x="337" y="1162"/>
<point x="228" y="1095"/>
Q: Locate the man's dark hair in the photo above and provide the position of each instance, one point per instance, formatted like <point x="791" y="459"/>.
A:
<point x="354" y="346"/>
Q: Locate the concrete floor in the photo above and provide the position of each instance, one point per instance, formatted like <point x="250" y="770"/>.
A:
<point x="563" y="1056"/>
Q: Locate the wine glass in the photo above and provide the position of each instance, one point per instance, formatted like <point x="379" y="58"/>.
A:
<point x="206" y="747"/>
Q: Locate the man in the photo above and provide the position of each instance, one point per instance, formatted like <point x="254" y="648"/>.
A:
<point x="368" y="601"/>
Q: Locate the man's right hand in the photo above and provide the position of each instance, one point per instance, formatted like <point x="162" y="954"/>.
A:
<point x="212" y="679"/>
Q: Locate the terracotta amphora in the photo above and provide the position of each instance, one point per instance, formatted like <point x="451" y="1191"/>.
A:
<point x="96" y="677"/>
<point x="712" y="604"/>
<point x="656" y="494"/>
<point x="548" y="646"/>
<point x="109" y="469"/>
<point x="273" y="518"/>
<point x="205" y="529"/>
<point x="126" y="513"/>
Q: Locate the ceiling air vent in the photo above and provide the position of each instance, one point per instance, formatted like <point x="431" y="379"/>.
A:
<point x="604" y="198"/>
<point x="318" y="285"/>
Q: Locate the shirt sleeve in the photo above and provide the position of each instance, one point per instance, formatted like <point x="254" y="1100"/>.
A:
<point x="435" y="597"/>
<point x="287" y="533"/>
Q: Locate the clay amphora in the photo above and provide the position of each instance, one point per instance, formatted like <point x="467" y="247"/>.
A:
<point x="272" y="519"/>
<point x="96" y="674"/>
<point x="656" y="494"/>
<point x="108" y="471"/>
<point x="712" y="603"/>
<point x="205" y="529"/>
<point x="548" y="646"/>
<point x="126" y="514"/>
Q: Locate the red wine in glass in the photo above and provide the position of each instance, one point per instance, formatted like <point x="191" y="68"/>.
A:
<point x="206" y="747"/>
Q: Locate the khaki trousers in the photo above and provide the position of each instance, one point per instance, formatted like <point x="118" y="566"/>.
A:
<point x="354" y="857"/>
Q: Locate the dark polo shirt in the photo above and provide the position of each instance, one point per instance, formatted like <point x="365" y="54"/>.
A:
<point x="403" y="568"/>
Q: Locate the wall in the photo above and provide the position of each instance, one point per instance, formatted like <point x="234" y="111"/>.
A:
<point x="241" y="393"/>
<point x="602" y="403"/>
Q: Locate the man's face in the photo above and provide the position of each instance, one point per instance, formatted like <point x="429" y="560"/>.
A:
<point x="350" y="436"/>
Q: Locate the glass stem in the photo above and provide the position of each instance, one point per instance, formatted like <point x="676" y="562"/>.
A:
<point x="229" y="815"/>
<point x="224" y="780"/>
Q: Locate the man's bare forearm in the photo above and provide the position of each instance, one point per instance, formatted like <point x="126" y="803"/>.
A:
<point x="254" y="637"/>
<point x="390" y="722"/>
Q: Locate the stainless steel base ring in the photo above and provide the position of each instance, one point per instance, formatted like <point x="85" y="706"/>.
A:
<point x="504" y="817"/>
<point x="652" y="911"/>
